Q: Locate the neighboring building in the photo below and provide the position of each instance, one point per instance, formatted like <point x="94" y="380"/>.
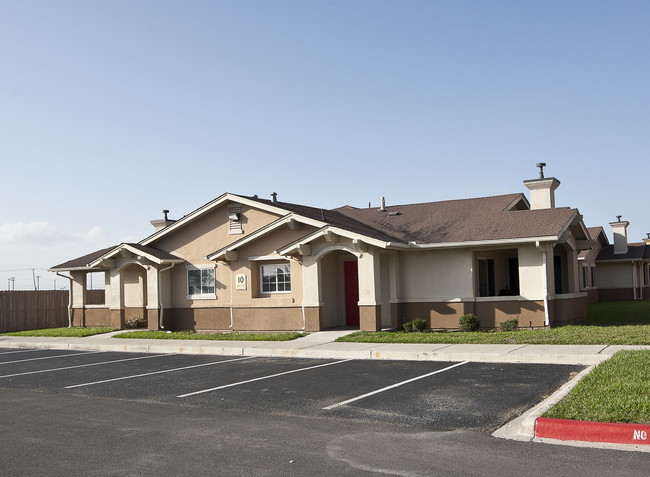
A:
<point x="246" y="263"/>
<point x="623" y="268"/>
<point x="587" y="260"/>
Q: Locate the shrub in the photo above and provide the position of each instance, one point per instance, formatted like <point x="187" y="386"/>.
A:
<point x="408" y="326"/>
<point x="509" y="325"/>
<point x="139" y="322"/>
<point x="419" y="324"/>
<point x="468" y="323"/>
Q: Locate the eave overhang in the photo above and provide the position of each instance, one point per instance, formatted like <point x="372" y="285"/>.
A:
<point x="107" y="260"/>
<point x="222" y="199"/>
<point x="289" y="220"/>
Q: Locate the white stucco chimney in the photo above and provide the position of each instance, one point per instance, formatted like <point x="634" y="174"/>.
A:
<point x="160" y="224"/>
<point x="647" y="239"/>
<point x="542" y="190"/>
<point x="620" y="235"/>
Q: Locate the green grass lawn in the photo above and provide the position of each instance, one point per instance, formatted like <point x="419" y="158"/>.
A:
<point x="75" y="332"/>
<point x="619" y="323"/>
<point x="190" y="335"/>
<point x="617" y="390"/>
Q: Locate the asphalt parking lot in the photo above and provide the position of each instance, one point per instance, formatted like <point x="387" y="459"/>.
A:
<point x="430" y="395"/>
<point x="113" y="413"/>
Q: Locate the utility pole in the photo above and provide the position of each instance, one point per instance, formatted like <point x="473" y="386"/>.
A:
<point x="38" y="282"/>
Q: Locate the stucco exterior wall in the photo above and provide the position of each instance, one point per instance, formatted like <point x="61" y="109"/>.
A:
<point x="435" y="275"/>
<point x="568" y="310"/>
<point x="615" y="275"/>
<point x="249" y="319"/>
<point x="532" y="278"/>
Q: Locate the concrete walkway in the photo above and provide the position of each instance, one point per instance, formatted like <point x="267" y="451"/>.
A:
<point x="322" y="345"/>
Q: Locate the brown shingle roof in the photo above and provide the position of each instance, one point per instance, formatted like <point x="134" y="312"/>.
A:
<point x="84" y="261"/>
<point x="463" y="220"/>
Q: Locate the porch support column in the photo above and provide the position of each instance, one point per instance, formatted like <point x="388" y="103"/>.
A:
<point x="573" y="271"/>
<point x="369" y="291"/>
<point x="152" y="293"/>
<point x="115" y="300"/>
<point x="311" y="307"/>
<point x="393" y="266"/>
<point x="78" y="284"/>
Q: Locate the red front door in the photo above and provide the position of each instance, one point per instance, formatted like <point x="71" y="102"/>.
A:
<point x="351" y="278"/>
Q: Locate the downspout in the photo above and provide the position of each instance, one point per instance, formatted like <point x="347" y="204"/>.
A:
<point x="160" y="302"/>
<point x="304" y="319"/>
<point x="231" y="286"/>
<point x="69" y="298"/>
<point x="547" y="321"/>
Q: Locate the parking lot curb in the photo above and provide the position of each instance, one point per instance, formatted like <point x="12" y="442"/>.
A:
<point x="588" y="431"/>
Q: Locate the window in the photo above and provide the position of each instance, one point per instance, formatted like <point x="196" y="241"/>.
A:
<point x="585" y="276"/>
<point x="486" y="277"/>
<point x="593" y="275"/>
<point x="200" y="282"/>
<point x="275" y="278"/>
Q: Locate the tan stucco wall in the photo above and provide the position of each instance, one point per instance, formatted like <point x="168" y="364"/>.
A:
<point x="615" y="275"/>
<point x="568" y="310"/>
<point x="134" y="286"/>
<point x="91" y="317"/>
<point x="427" y="275"/>
<point x="250" y="319"/>
<point x="490" y="312"/>
<point x="531" y="271"/>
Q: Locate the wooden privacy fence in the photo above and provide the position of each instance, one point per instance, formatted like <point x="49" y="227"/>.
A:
<point x="30" y="310"/>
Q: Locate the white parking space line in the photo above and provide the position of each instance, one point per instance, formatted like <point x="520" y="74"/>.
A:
<point x="262" y="378"/>
<point x="49" y="357"/>
<point x="157" y="372"/>
<point x="392" y="386"/>
<point x="83" y="365"/>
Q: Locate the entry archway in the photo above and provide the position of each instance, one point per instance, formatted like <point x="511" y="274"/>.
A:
<point x="339" y="286"/>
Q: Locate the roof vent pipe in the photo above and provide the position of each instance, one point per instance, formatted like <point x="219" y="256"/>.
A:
<point x="274" y="196"/>
<point x="165" y="212"/>
<point x="383" y="204"/>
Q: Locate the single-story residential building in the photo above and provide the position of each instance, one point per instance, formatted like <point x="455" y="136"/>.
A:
<point x="248" y="263"/>
<point x="623" y="269"/>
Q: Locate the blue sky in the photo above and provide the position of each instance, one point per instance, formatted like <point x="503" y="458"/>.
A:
<point x="111" y="111"/>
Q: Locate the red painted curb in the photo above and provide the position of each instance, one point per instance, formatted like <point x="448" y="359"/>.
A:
<point x="612" y="432"/>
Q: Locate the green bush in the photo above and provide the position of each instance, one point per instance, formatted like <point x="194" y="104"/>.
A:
<point x="140" y="322"/>
<point x="509" y="325"/>
<point x="468" y="323"/>
<point x="419" y="324"/>
<point x="408" y="326"/>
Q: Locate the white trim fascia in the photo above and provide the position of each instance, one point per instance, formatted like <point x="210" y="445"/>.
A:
<point x="216" y="203"/>
<point x="481" y="243"/>
<point x="434" y="299"/>
<point x="75" y="269"/>
<point x="260" y="258"/>
<point x="260" y="233"/>
<point x="136" y="252"/>
<point x="335" y="230"/>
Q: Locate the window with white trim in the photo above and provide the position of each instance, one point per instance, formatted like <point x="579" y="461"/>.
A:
<point x="593" y="276"/>
<point x="200" y="283"/>
<point x="275" y="278"/>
